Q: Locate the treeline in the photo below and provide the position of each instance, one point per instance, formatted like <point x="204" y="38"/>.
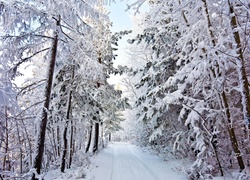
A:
<point x="65" y="109"/>
<point x="191" y="96"/>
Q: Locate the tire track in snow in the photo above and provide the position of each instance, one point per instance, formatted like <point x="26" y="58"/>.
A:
<point x="123" y="161"/>
<point x="112" y="170"/>
<point x="135" y="167"/>
<point x="155" y="176"/>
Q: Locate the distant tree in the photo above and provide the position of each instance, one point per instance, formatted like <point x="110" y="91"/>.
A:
<point x="8" y="124"/>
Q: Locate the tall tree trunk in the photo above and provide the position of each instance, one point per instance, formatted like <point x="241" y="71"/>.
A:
<point x="58" y="145"/>
<point x="102" y="136"/>
<point x="65" y="140"/>
<point x="53" y="142"/>
<point x="96" y="140"/>
<point x="64" y="151"/>
<point x="232" y="135"/>
<point x="92" y="143"/>
<point x="241" y="65"/>
<point x="89" y="140"/>
<point x="6" y="148"/>
<point x="20" y="148"/>
<point x="96" y="143"/>
<point x="110" y="136"/>
<point x="71" y="143"/>
<point x="223" y="97"/>
<point x="39" y="147"/>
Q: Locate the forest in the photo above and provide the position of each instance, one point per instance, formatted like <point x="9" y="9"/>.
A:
<point x="185" y="91"/>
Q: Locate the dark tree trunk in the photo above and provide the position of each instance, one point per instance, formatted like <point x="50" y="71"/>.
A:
<point x="232" y="135"/>
<point x="64" y="151"/>
<point x="20" y="144"/>
<point x="39" y="148"/>
<point x="224" y="99"/>
<point x="241" y="65"/>
<point x="71" y="143"/>
<point x="89" y="140"/>
<point x="53" y="142"/>
<point x="110" y="136"/>
<point x="58" y="145"/>
<point x="96" y="143"/>
<point x="65" y="140"/>
<point x="95" y="148"/>
<point x="6" y="142"/>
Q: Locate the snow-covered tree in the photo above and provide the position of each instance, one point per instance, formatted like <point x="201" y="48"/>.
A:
<point x="35" y="30"/>
<point x="192" y="75"/>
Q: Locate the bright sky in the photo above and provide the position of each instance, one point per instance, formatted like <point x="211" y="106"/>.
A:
<point x="118" y="16"/>
<point x="121" y="21"/>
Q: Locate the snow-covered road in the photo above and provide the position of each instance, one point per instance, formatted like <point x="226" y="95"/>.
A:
<point x="123" y="161"/>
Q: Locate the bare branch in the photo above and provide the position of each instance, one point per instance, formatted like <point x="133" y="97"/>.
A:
<point x="30" y="85"/>
<point x="26" y="59"/>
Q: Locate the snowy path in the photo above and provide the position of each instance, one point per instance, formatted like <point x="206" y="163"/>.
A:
<point x="123" y="161"/>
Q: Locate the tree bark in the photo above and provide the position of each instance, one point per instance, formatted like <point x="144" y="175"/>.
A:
<point x="95" y="148"/>
<point x="65" y="140"/>
<point x="71" y="143"/>
<point x="89" y="140"/>
<point x="64" y="151"/>
<point x="223" y="98"/>
<point x="6" y="148"/>
<point x="96" y="142"/>
<point x="53" y="143"/>
<point x="231" y="132"/>
<point x="58" y="145"/>
<point x="20" y="148"/>
<point x="39" y="147"/>
<point x="241" y="65"/>
<point x="110" y="136"/>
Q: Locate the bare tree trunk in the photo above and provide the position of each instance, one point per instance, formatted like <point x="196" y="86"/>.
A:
<point x="92" y="143"/>
<point x="241" y="65"/>
<point x="217" y="157"/>
<point x="20" y="148"/>
<point x="53" y="142"/>
<point x="96" y="140"/>
<point x="231" y="132"/>
<point x="71" y="143"/>
<point x="65" y="140"/>
<point x="6" y="148"/>
<point x="89" y="140"/>
<point x="58" y="145"/>
<point x="102" y="136"/>
<point x="39" y="147"/>
<point x="223" y="98"/>
<point x="110" y="136"/>
<point x="97" y="129"/>
<point x="64" y="151"/>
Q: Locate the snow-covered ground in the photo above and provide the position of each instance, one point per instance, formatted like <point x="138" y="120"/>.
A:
<point x="123" y="161"/>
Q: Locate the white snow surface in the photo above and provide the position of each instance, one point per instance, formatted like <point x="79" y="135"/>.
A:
<point x="124" y="161"/>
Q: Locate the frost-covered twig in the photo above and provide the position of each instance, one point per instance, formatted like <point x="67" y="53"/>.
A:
<point x="203" y="119"/>
<point x="27" y="58"/>
<point x="30" y="85"/>
<point x="137" y="5"/>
